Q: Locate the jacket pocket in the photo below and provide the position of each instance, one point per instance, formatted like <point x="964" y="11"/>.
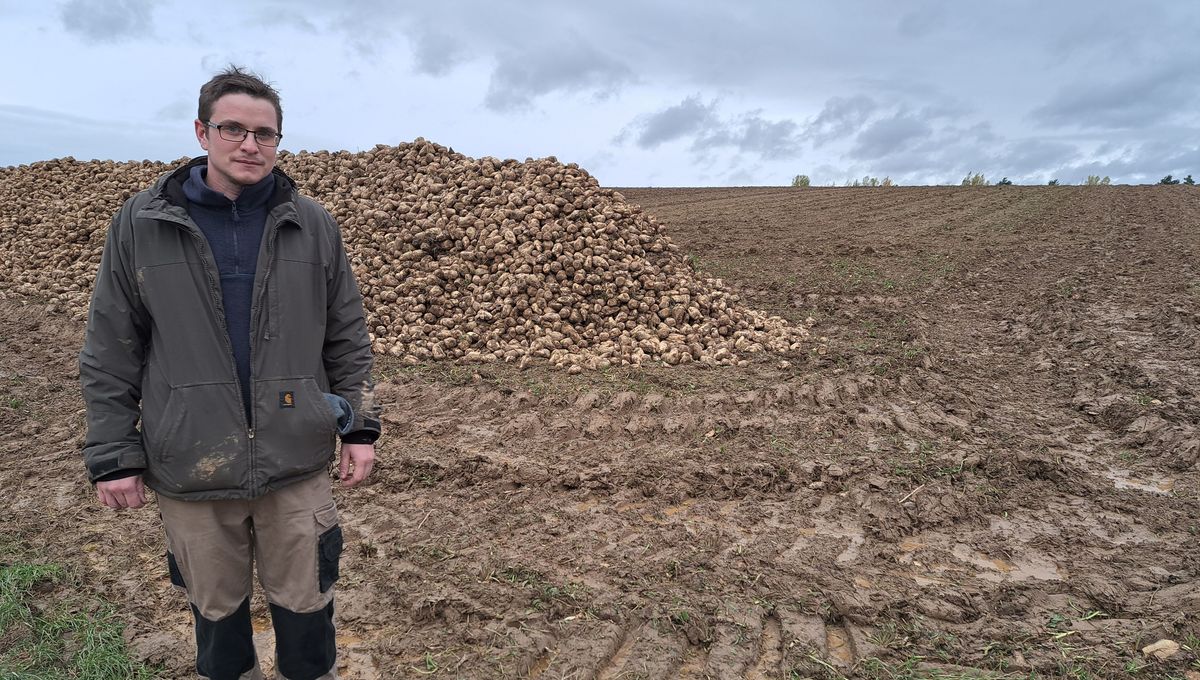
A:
<point x="202" y="444"/>
<point x="159" y="422"/>
<point x="294" y="428"/>
<point x="329" y="547"/>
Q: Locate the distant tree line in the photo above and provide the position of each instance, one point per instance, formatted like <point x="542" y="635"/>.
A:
<point x="978" y="179"/>
<point x="869" y="181"/>
<point x="866" y="181"/>
<point x="1171" y="180"/>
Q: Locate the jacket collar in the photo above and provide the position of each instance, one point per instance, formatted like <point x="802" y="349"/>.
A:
<point x="168" y="200"/>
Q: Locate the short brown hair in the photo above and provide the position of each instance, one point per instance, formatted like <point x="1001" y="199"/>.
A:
<point x="236" y="80"/>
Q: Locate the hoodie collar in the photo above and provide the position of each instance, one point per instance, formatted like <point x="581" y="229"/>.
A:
<point x="251" y="198"/>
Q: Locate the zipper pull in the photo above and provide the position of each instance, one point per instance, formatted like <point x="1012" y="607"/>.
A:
<point x="235" y="215"/>
<point x="251" y="433"/>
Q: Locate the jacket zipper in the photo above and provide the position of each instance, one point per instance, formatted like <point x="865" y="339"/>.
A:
<point x="214" y="294"/>
<point x="258" y="311"/>
<point x="237" y="265"/>
<point x="252" y="460"/>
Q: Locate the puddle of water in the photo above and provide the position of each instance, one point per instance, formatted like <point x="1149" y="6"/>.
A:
<point x="1122" y="479"/>
<point x="1032" y="567"/>
<point x="850" y="554"/>
<point x="260" y="624"/>
<point x="928" y="581"/>
<point x="838" y="644"/>
<point x="539" y="666"/>
<point x="1125" y="479"/>
<point x="936" y="573"/>
<point x="348" y="640"/>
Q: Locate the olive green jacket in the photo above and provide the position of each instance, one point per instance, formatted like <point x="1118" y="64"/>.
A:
<point x="157" y="368"/>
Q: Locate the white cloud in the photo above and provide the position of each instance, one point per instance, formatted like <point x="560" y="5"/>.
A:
<point x="107" y="20"/>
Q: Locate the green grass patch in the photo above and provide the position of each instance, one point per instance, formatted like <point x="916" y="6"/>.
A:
<point x="854" y="275"/>
<point x="49" y="633"/>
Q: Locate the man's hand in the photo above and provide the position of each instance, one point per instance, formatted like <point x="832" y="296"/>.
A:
<point x="361" y="457"/>
<point x="128" y="492"/>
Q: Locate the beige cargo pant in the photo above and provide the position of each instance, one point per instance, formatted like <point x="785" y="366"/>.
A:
<point x="292" y="535"/>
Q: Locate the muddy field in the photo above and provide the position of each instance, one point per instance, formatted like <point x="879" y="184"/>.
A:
<point x="986" y="466"/>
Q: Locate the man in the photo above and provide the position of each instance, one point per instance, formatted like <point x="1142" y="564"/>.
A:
<point x="226" y="347"/>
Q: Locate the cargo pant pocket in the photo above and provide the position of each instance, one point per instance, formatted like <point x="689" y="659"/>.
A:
<point x="329" y="547"/>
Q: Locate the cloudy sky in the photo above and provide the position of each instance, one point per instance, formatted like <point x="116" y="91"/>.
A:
<point x="639" y="92"/>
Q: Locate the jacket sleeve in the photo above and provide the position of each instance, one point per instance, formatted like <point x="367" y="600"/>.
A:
<point x="110" y="363"/>
<point x="347" y="350"/>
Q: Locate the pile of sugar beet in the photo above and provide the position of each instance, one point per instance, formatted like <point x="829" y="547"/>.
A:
<point x="474" y="260"/>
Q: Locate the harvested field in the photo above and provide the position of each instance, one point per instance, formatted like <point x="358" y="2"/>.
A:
<point x="984" y="462"/>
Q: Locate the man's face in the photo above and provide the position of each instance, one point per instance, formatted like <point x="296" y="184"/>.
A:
<point x="235" y="165"/>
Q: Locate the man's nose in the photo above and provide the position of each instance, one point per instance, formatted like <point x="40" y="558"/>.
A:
<point x="250" y="143"/>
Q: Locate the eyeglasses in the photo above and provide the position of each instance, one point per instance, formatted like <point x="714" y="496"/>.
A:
<point x="232" y="132"/>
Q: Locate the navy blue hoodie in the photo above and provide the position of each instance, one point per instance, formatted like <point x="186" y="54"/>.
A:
<point x="234" y="230"/>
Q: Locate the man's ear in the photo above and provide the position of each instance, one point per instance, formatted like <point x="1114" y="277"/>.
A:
<point x="202" y="134"/>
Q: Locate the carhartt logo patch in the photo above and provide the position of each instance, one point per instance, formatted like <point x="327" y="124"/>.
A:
<point x="287" y="399"/>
